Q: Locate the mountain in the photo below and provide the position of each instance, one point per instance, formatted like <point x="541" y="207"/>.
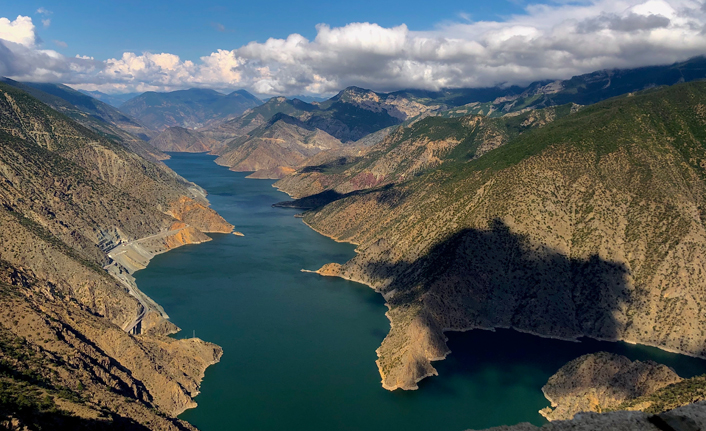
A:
<point x="349" y="116"/>
<point x="80" y="346"/>
<point x="257" y="117"/>
<point x="180" y="139"/>
<point x="590" y="225"/>
<point x="114" y="100"/>
<point x="191" y="108"/>
<point x="355" y="112"/>
<point x="307" y="98"/>
<point x="94" y="114"/>
<point x="274" y="149"/>
<point x="582" y="89"/>
<point x="411" y="150"/>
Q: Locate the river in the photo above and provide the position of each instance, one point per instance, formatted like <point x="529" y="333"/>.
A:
<point x="299" y="349"/>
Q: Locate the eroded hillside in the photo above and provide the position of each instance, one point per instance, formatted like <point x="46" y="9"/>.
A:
<point x="591" y="225"/>
<point x="68" y="197"/>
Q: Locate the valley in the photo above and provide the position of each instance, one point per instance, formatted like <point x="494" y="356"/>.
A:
<point x="299" y="349"/>
<point x="415" y="259"/>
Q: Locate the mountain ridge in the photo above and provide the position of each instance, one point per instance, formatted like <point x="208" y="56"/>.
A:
<point x="192" y="108"/>
<point x="443" y="231"/>
<point x="68" y="196"/>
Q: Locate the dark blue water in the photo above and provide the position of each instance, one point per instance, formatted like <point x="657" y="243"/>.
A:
<point x="299" y="349"/>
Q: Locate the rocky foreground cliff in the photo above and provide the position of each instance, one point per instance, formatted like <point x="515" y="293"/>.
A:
<point x="604" y="391"/>
<point x="601" y="382"/>
<point x="590" y="225"/>
<point x="68" y="199"/>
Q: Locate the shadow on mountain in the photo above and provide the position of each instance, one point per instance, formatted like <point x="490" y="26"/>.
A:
<point x="386" y="195"/>
<point x="496" y="278"/>
<point x="25" y="417"/>
<point x="327" y="167"/>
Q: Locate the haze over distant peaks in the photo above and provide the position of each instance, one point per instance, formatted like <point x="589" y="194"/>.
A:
<point x="114" y="100"/>
<point x="196" y="107"/>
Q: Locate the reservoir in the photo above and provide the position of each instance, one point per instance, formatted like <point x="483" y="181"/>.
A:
<point x="299" y="349"/>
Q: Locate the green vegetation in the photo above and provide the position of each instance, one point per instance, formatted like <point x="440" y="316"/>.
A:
<point x="678" y="394"/>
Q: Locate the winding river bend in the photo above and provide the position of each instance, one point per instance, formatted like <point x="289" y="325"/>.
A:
<point x="299" y="349"/>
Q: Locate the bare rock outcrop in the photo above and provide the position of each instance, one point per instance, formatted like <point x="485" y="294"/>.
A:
<point x="602" y="381"/>
<point x="686" y="418"/>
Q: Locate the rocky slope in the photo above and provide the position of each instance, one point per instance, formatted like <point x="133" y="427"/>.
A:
<point x="349" y="116"/>
<point x="191" y="108"/>
<point x="602" y="381"/>
<point x="275" y="149"/>
<point x="100" y="117"/>
<point x="68" y="198"/>
<point x="688" y="418"/>
<point x="411" y="150"/>
<point x="179" y="139"/>
<point x="257" y="117"/>
<point x="588" y="226"/>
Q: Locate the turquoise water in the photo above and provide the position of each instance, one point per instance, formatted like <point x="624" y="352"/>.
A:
<point x="299" y="349"/>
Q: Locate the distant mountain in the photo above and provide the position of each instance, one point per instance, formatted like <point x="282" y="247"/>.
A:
<point x="114" y="100"/>
<point x="582" y="89"/>
<point x="308" y="98"/>
<point x="258" y="116"/>
<point x="183" y="140"/>
<point x="188" y="108"/>
<point x="276" y="148"/>
<point x="94" y="114"/>
<point x="350" y="115"/>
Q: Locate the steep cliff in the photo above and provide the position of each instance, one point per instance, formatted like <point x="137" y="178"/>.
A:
<point x="588" y="226"/>
<point x="68" y="198"/>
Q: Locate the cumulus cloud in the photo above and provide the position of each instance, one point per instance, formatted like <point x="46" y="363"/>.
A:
<point x="19" y="31"/>
<point x="548" y="41"/>
<point x="60" y="43"/>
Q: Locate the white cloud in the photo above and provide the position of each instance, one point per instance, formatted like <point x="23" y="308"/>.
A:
<point x="46" y="22"/>
<point x="20" y="31"/>
<point x="549" y="41"/>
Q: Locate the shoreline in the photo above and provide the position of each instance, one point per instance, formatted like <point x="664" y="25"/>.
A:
<point x="492" y="329"/>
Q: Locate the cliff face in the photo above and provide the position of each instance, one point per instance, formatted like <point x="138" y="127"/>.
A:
<point x="602" y="381"/>
<point x="590" y="225"/>
<point x="68" y="200"/>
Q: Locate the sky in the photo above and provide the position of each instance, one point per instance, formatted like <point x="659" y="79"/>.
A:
<point x="319" y="47"/>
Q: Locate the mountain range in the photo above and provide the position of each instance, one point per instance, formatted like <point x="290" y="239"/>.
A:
<point x="188" y="108"/>
<point x="565" y="209"/>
